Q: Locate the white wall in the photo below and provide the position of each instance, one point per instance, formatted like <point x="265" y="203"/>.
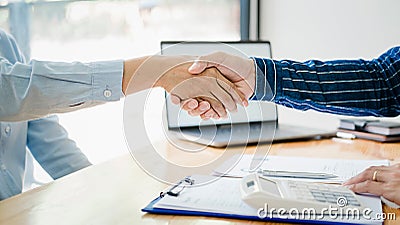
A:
<point x="328" y="29"/>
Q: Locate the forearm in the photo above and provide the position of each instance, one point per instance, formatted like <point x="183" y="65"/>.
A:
<point x="130" y="68"/>
<point x="350" y="87"/>
<point x="149" y="71"/>
<point x="30" y="91"/>
<point x="49" y="143"/>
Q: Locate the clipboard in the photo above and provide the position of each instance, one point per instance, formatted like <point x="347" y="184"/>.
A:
<point x="152" y="208"/>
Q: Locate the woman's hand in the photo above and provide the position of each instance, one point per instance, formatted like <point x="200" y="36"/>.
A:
<point x="378" y="180"/>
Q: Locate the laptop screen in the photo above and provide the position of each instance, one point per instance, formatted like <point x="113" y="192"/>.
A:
<point x="255" y="112"/>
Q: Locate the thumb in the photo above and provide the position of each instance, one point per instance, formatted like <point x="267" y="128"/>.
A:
<point x="198" y="67"/>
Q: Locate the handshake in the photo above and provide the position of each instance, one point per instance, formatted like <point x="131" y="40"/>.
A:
<point x="207" y="86"/>
<point x="216" y="83"/>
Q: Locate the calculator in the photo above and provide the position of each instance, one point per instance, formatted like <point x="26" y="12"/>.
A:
<point x="258" y="191"/>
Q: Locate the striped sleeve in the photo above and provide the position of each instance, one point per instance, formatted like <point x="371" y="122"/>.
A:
<point x="347" y="87"/>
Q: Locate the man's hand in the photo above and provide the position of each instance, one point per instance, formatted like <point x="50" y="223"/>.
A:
<point x="240" y="71"/>
<point x="378" y="180"/>
<point x="210" y="86"/>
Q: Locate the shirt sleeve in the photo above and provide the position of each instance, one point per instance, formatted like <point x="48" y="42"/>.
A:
<point x="34" y="90"/>
<point x="347" y="87"/>
<point x="49" y="143"/>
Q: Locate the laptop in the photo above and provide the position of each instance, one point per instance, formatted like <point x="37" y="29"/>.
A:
<point x="257" y="123"/>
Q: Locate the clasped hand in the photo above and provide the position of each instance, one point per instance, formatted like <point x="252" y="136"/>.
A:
<point x="208" y="86"/>
<point x="238" y="78"/>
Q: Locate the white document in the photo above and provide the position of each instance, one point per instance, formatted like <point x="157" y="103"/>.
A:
<point x="239" y="166"/>
<point x="207" y="197"/>
<point x="223" y="196"/>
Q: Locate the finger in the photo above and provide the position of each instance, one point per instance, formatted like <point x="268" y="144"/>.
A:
<point x="209" y="114"/>
<point x="205" y="116"/>
<point x="198" y="67"/>
<point x="206" y="61"/>
<point x="368" y="186"/>
<point x="220" y="93"/>
<point x="226" y="99"/>
<point x="232" y="90"/>
<point x="366" y="175"/>
<point x="203" y="107"/>
<point x="213" y="114"/>
<point x="175" y="99"/>
<point x="385" y="175"/>
<point x="189" y="104"/>
<point x="217" y="107"/>
<point x="361" y="177"/>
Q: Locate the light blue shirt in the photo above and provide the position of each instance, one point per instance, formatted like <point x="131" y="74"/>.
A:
<point x="29" y="93"/>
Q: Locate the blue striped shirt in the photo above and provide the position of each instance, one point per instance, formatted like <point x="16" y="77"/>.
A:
<point x="349" y="87"/>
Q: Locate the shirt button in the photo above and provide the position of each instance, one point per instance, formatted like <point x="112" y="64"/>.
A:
<point x="7" y="130"/>
<point x="107" y="93"/>
<point x="3" y="167"/>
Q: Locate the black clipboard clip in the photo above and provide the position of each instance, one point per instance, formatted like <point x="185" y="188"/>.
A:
<point x="178" y="187"/>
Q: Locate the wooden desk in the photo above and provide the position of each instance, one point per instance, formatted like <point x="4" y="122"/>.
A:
<point x="115" y="191"/>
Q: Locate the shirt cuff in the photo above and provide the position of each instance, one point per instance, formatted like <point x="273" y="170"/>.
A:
<point x="265" y="88"/>
<point x="73" y="165"/>
<point x="107" y="80"/>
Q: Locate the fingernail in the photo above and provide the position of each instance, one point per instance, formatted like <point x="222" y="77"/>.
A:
<point x="175" y="99"/>
<point x="203" y="107"/>
<point x="245" y="103"/>
<point x="192" y="105"/>
<point x="194" y="66"/>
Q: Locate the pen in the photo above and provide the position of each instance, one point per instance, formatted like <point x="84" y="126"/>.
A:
<point x="294" y="174"/>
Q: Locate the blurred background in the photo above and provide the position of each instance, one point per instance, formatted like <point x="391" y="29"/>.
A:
<point x="104" y="29"/>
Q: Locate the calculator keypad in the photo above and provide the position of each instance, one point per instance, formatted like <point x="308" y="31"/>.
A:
<point x="324" y="193"/>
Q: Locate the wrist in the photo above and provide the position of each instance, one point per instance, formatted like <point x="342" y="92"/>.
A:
<point x="146" y="72"/>
<point x="264" y="88"/>
<point x="251" y="77"/>
<point x="128" y="71"/>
